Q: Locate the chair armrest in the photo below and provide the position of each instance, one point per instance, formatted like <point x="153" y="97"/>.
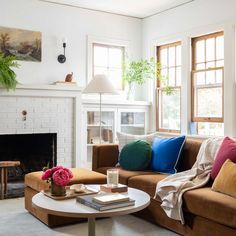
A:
<point x="104" y="156"/>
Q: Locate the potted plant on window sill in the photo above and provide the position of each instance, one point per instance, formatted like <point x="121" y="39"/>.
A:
<point x="137" y="72"/>
<point x="7" y="75"/>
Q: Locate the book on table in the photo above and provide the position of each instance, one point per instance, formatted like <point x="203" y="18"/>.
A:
<point x="89" y="201"/>
<point x="111" y="198"/>
<point x="114" y="189"/>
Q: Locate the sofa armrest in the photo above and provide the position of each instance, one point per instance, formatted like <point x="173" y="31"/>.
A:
<point x="104" y="156"/>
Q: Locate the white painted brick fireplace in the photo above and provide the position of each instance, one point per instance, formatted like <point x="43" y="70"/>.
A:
<point x="50" y="109"/>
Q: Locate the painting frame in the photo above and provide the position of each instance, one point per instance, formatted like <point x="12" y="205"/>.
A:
<point x="25" y="45"/>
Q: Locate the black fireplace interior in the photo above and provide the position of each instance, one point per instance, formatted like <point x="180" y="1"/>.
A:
<point x="34" y="151"/>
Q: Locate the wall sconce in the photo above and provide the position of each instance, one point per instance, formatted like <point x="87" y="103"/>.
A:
<point x="62" y="57"/>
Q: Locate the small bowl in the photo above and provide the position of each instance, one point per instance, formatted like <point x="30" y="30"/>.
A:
<point x="78" y="188"/>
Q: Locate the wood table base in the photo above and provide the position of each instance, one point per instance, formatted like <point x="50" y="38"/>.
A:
<point x="91" y="226"/>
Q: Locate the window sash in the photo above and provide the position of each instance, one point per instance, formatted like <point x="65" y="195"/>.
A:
<point x="206" y="65"/>
<point x="195" y="87"/>
<point x="107" y="67"/>
<point x="160" y="89"/>
<point x="160" y="111"/>
<point x="168" y="67"/>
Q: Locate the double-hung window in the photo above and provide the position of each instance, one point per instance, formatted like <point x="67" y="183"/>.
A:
<point x="108" y="60"/>
<point x="168" y="105"/>
<point x="207" y="84"/>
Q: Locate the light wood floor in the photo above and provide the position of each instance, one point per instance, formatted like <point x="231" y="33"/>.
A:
<point x="16" y="221"/>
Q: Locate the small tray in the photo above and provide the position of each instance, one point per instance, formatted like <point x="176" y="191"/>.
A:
<point x="70" y="193"/>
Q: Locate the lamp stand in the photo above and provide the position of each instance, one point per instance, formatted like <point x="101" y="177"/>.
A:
<point x="100" y="120"/>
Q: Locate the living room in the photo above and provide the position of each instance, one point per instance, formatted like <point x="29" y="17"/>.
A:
<point x="191" y="93"/>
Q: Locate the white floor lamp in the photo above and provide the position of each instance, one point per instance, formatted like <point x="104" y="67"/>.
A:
<point x="100" y="84"/>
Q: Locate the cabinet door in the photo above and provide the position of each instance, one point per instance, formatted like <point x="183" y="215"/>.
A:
<point x="107" y="127"/>
<point x="132" y="122"/>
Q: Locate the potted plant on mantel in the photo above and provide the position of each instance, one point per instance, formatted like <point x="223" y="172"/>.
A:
<point x="7" y="75"/>
<point x="141" y="70"/>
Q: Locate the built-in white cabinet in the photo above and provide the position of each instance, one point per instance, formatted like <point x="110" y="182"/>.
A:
<point x="132" y="121"/>
<point x="93" y="126"/>
<point x="128" y="117"/>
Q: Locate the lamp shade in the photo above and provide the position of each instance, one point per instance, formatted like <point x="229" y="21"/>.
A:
<point x="100" y="84"/>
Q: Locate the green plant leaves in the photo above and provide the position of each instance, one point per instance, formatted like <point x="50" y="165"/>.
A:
<point x="7" y="75"/>
<point x="141" y="70"/>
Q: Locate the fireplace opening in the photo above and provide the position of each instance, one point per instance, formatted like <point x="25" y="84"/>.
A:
<point x="34" y="151"/>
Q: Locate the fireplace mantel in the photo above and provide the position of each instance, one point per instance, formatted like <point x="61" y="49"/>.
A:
<point x="43" y="90"/>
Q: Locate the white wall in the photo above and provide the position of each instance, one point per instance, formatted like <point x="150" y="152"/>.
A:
<point x="56" y="22"/>
<point x="190" y="20"/>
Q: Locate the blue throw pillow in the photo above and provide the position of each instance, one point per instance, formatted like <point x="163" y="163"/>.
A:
<point x="166" y="153"/>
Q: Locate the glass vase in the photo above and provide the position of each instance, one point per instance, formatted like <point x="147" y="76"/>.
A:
<point x="57" y="190"/>
<point x="130" y="92"/>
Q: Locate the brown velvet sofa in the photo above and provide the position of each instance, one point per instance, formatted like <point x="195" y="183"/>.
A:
<point x="206" y="212"/>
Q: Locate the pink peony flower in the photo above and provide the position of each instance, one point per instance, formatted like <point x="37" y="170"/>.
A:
<point x="47" y="174"/>
<point x="69" y="172"/>
<point x="61" y="177"/>
<point x="54" y="169"/>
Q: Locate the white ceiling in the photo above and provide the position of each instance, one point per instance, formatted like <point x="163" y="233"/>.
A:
<point x="134" y="8"/>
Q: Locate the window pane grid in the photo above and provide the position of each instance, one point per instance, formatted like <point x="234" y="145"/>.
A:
<point x="168" y="59"/>
<point x="207" y="83"/>
<point x="168" y="111"/>
<point x="108" y="60"/>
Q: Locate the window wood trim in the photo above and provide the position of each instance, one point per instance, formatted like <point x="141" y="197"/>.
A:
<point x="194" y="70"/>
<point x="159" y="88"/>
<point x="159" y="48"/>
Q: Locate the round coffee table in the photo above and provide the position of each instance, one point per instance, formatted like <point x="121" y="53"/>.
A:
<point x="71" y="208"/>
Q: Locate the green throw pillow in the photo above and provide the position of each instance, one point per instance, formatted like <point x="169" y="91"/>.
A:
<point x="136" y="155"/>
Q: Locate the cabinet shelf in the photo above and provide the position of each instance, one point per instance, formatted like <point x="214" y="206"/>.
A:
<point x="133" y="125"/>
<point x="94" y="144"/>
<point x="99" y="125"/>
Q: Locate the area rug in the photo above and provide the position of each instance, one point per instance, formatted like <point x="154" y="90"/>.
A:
<point x="16" y="221"/>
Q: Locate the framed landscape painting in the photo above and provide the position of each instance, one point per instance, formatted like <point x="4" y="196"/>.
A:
<point x="24" y="44"/>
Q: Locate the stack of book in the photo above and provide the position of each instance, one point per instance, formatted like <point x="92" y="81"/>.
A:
<point x="107" y="201"/>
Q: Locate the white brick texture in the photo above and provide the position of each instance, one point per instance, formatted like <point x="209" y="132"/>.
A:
<point x="44" y="115"/>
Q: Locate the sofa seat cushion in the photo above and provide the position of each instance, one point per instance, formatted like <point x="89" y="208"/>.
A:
<point x="211" y="205"/>
<point x="146" y="183"/>
<point x="34" y="181"/>
<point x="80" y="175"/>
<point x="124" y="175"/>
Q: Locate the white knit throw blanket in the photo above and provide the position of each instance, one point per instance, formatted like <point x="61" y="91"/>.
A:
<point x="172" y="188"/>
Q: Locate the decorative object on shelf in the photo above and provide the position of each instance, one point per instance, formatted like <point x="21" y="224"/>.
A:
<point x="58" y="177"/>
<point x="137" y="72"/>
<point x="101" y="85"/>
<point x="62" y="57"/>
<point x="25" y="45"/>
<point x="65" y="83"/>
<point x="69" y="77"/>
<point x="107" y="135"/>
<point x="7" y="75"/>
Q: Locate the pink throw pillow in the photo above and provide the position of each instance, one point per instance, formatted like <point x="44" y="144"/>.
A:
<point x="226" y="151"/>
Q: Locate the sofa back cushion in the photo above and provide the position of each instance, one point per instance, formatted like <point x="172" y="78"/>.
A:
<point x="189" y="154"/>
